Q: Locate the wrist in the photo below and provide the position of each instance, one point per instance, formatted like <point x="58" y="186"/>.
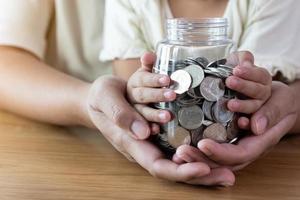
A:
<point x="81" y="109"/>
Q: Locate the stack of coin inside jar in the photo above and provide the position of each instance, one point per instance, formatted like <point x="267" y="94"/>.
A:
<point x="200" y="109"/>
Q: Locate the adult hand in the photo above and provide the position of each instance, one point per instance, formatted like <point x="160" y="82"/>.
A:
<point x="114" y="116"/>
<point x="152" y="159"/>
<point x="107" y="95"/>
<point x="280" y="118"/>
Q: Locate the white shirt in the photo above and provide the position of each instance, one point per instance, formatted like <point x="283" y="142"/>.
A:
<point x="269" y="29"/>
<point x="66" y="34"/>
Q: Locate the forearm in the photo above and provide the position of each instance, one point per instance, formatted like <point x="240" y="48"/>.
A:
<point x="31" y="88"/>
<point x="296" y="89"/>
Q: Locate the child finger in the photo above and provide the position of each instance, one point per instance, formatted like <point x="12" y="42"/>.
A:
<point x="148" y="79"/>
<point x="244" y="123"/>
<point x="248" y="106"/>
<point x="151" y="95"/>
<point x="153" y="115"/>
<point x="155" y="129"/>
<point x="248" y="88"/>
<point x="250" y="72"/>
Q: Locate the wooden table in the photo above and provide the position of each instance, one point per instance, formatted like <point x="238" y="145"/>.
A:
<point x="39" y="161"/>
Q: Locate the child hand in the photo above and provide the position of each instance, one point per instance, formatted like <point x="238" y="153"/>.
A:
<point x="145" y="87"/>
<point x="253" y="82"/>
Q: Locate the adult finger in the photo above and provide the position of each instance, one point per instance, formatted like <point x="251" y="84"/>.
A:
<point x="115" y="106"/>
<point x="217" y="176"/>
<point x="188" y="153"/>
<point x="225" y="154"/>
<point x="278" y="106"/>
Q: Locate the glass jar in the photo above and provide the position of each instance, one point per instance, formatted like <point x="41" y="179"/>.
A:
<point x="194" y="56"/>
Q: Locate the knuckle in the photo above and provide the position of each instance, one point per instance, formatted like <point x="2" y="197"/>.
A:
<point x="154" y="170"/>
<point x="118" y="115"/>
<point x="273" y="114"/>
<point x="266" y="77"/>
<point x="260" y="92"/>
<point x="139" y="95"/>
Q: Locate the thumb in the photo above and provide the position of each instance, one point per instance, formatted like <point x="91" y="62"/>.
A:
<point x="273" y="111"/>
<point x="148" y="60"/>
<point x="108" y="97"/>
<point x="239" y="58"/>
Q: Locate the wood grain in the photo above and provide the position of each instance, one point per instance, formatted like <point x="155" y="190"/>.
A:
<point x="43" y="162"/>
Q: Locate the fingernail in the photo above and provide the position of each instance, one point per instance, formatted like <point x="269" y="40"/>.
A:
<point x="261" y="125"/>
<point x="234" y="104"/>
<point x="162" y="116"/>
<point x="226" y="184"/>
<point x="170" y="94"/>
<point x="140" y="129"/>
<point x="204" y="149"/>
<point x="164" y="81"/>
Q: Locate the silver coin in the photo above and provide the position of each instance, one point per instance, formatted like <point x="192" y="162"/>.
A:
<point x="212" y="88"/>
<point x="195" y="92"/>
<point x="234" y="140"/>
<point x="196" y="135"/>
<point x="179" y="137"/>
<point x="187" y="100"/>
<point x="190" y="117"/>
<point x="207" y="123"/>
<point x="203" y="61"/>
<point x="182" y="81"/>
<point x="232" y="128"/>
<point x="216" y="132"/>
<point x="220" y="112"/>
<point x="206" y="108"/>
<point x="215" y="64"/>
<point x="212" y="73"/>
<point x="196" y="73"/>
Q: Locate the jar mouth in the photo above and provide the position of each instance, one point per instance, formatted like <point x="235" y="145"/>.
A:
<point x="185" y="23"/>
<point x="204" y="30"/>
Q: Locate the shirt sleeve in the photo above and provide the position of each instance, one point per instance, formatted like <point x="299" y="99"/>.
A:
<point x="272" y="35"/>
<point x="123" y="37"/>
<point x="24" y="24"/>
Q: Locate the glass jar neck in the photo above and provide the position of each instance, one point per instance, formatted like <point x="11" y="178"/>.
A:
<point x="209" y="31"/>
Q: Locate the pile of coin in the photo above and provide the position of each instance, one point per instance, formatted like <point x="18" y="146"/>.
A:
<point x="200" y="109"/>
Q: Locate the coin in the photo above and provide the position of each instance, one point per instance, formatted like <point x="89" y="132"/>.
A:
<point x="196" y="135"/>
<point x="216" y="132"/>
<point x="232" y="128"/>
<point x="207" y="122"/>
<point x="206" y="107"/>
<point x="203" y="61"/>
<point x="196" y="73"/>
<point x="195" y="92"/>
<point x="190" y="117"/>
<point x="187" y="100"/>
<point x="215" y="64"/>
<point x="220" y="112"/>
<point x="180" y="137"/>
<point x="200" y="107"/>
<point x="182" y="81"/>
<point x="212" y="88"/>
